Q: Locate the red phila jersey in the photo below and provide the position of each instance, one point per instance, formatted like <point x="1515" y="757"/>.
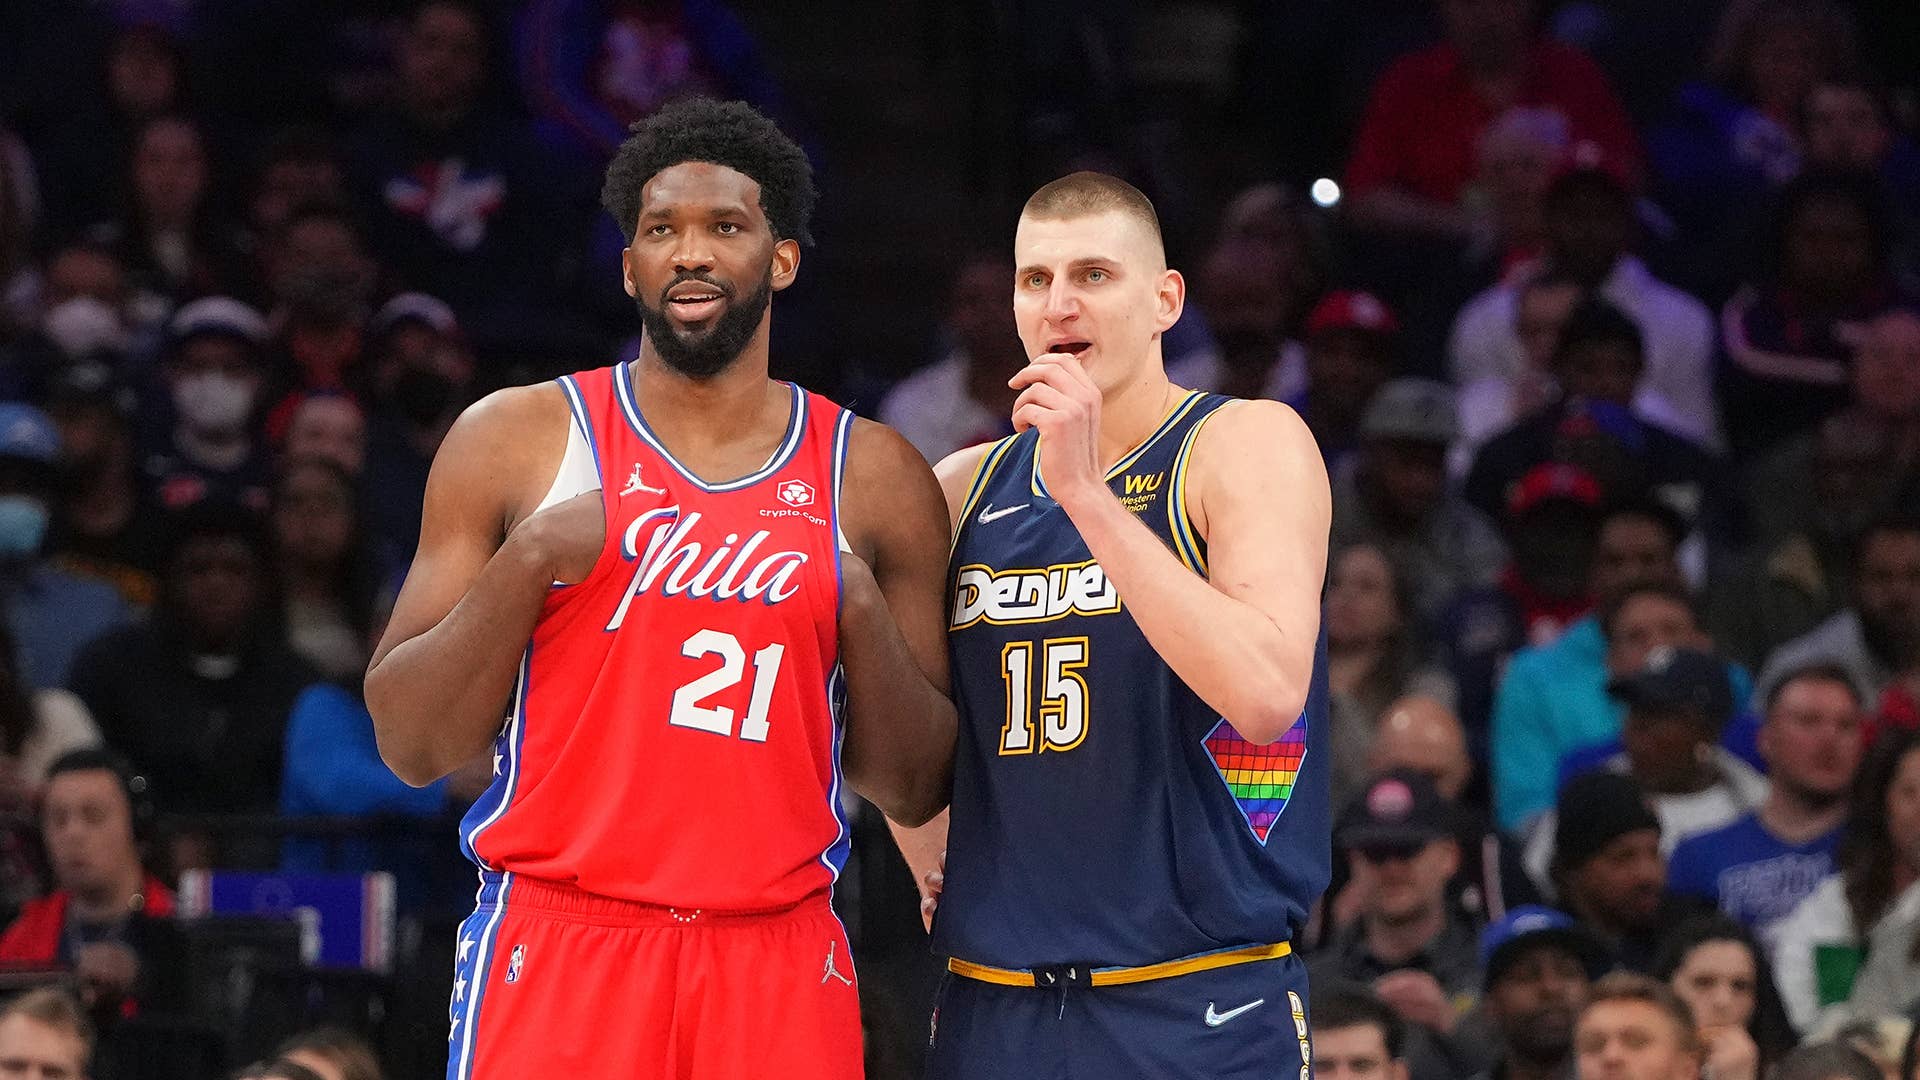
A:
<point x="674" y="736"/>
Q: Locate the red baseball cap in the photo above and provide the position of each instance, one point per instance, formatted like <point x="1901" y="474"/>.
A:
<point x="1349" y="309"/>
<point x="1544" y="483"/>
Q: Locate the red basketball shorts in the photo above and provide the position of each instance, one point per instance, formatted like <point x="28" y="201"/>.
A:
<point x="551" y="982"/>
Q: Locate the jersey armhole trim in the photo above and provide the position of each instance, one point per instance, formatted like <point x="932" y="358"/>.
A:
<point x="977" y="486"/>
<point x="1167" y="423"/>
<point x="578" y="406"/>
<point x="842" y="429"/>
<point x="1186" y="541"/>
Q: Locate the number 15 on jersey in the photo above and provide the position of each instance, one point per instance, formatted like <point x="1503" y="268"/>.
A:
<point x="1062" y="695"/>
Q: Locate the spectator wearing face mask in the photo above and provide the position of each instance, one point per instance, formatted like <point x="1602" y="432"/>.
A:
<point x="52" y="613"/>
<point x="213" y="369"/>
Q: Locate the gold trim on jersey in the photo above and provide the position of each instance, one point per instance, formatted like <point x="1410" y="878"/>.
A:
<point x="1186" y="542"/>
<point x="1121" y="976"/>
<point x="1173" y="417"/>
<point x="977" y="486"/>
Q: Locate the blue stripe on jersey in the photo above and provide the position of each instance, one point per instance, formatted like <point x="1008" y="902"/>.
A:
<point x="834" y="858"/>
<point x="579" y="406"/>
<point x="460" y="1061"/>
<point x="493" y="802"/>
<point x="796" y="428"/>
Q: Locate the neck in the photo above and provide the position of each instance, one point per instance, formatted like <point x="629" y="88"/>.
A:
<point x="1905" y="873"/>
<point x="682" y="409"/>
<point x="1796" y="817"/>
<point x="110" y="902"/>
<point x="1394" y="941"/>
<point x="213" y="449"/>
<point x="1699" y="778"/>
<point x="1129" y="413"/>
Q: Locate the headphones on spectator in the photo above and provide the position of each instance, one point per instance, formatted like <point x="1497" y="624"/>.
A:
<point x="141" y="811"/>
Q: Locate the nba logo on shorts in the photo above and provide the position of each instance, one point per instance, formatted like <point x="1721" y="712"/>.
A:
<point x="513" y="963"/>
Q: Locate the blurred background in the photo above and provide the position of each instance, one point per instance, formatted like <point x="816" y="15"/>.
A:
<point x="1602" y="312"/>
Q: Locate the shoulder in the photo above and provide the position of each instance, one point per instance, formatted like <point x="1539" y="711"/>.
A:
<point x="957" y="471"/>
<point x="1270" y="430"/>
<point x="510" y="406"/>
<point x="1823" y="909"/>
<point x="1709" y="847"/>
<point x="888" y="490"/>
<point x="503" y="449"/>
<point x="1488" y="311"/>
<point x="76" y="594"/>
<point x="1257" y="442"/>
<point x="876" y="453"/>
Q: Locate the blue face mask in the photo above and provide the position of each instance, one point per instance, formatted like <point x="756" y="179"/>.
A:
<point x="23" y="524"/>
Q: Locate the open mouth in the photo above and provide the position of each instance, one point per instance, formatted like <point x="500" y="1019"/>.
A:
<point x="1074" y="348"/>
<point x="695" y="301"/>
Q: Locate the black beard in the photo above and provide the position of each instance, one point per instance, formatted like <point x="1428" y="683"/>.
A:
<point x="712" y="350"/>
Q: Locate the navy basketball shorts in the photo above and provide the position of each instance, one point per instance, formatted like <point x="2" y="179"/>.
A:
<point x="1232" y="1023"/>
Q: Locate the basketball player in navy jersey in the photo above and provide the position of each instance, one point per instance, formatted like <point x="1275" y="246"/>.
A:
<point x="1139" y="822"/>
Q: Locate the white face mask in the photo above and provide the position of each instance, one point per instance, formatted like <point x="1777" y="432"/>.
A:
<point x="212" y="401"/>
<point x="83" y="325"/>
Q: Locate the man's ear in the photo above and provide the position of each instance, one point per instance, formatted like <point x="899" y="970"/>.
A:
<point x="1171" y="299"/>
<point x="786" y="263"/>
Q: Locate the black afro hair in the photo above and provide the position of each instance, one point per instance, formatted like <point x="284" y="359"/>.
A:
<point x="730" y="133"/>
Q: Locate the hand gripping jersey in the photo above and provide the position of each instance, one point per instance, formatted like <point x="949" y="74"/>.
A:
<point x="674" y="736"/>
<point x="1103" y="814"/>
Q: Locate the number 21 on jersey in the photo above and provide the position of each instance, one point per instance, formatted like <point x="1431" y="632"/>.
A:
<point x="1062" y="695"/>
<point x="718" y="719"/>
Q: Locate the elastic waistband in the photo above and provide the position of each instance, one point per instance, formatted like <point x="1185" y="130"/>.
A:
<point x="558" y="899"/>
<point x="1084" y="975"/>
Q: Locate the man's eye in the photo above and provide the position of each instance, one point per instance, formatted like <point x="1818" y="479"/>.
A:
<point x="727" y="228"/>
<point x="1096" y="275"/>
<point x="657" y="230"/>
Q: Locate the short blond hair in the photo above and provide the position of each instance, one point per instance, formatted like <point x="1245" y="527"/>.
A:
<point x="1631" y="986"/>
<point x="58" y="1010"/>
<point x="1085" y="193"/>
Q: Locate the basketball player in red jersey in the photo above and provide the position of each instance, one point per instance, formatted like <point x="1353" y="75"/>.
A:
<point x="695" y="594"/>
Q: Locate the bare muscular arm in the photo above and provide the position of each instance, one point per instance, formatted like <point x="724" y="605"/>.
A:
<point x="925" y="848"/>
<point x="899" y="750"/>
<point x="440" y="679"/>
<point x="1243" y="637"/>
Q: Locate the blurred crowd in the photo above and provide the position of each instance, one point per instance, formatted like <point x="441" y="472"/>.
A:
<point x="1603" y="314"/>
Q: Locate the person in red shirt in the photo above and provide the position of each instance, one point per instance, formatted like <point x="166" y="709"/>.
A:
<point x="95" y="921"/>
<point x="1416" y="151"/>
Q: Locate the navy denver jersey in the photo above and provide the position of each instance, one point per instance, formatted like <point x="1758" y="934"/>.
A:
<point x="1102" y="813"/>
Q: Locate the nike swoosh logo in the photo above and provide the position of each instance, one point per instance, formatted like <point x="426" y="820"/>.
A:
<point x="1215" y="1019"/>
<point x="989" y="515"/>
